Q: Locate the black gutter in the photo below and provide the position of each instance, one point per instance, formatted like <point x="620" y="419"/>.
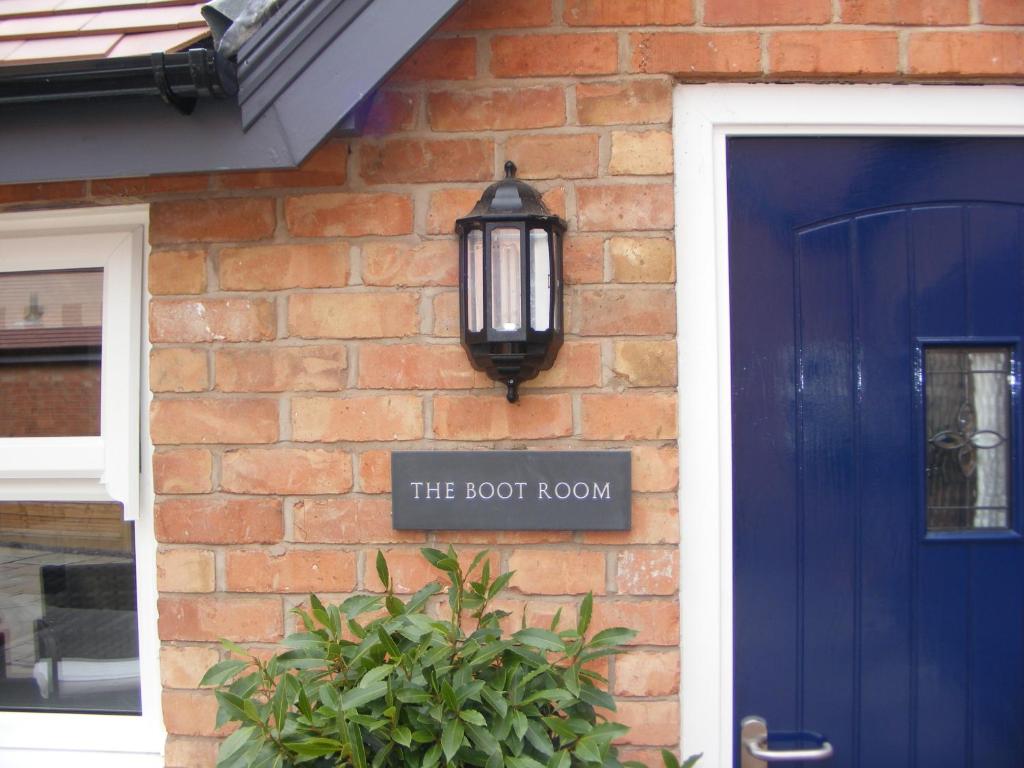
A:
<point x="180" y="79"/>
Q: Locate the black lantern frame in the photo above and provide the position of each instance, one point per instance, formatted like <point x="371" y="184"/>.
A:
<point x="510" y="283"/>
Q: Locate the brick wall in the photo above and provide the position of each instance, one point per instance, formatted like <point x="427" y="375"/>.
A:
<point x="304" y="322"/>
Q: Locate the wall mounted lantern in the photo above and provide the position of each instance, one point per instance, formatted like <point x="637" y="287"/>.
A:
<point x="510" y="283"/>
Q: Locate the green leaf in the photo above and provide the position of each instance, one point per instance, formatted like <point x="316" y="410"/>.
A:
<point x="613" y="636"/>
<point x="360" y="696"/>
<point x="522" y="761"/>
<point x="472" y="717"/>
<point x="476" y="561"/>
<point x="495" y="699"/>
<point x="586" y="611"/>
<point x="556" y="620"/>
<point x="314" y="747"/>
<point x="560" y="759"/>
<point x="355" y="740"/>
<point x="433" y="556"/>
<point x="376" y="674"/>
<point x="588" y="751"/>
<point x="389" y="644"/>
<point x="691" y="760"/>
<point x="357" y="605"/>
<point x="395" y="606"/>
<point x="669" y="759"/>
<point x="519" y="723"/>
<point x="382" y="570"/>
<point x="541" y="639"/>
<point x="223" y="671"/>
<point x="451" y="738"/>
<point x="560" y="728"/>
<point x="483" y="739"/>
<point x="402" y="735"/>
<point x="538" y="737"/>
<point x="499" y="584"/>
<point x="413" y="696"/>
<point x="448" y="694"/>
<point x="235" y="648"/>
<point x="236" y="742"/>
<point x="432" y="757"/>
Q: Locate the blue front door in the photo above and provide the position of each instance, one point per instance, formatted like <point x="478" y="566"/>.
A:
<point x="877" y="294"/>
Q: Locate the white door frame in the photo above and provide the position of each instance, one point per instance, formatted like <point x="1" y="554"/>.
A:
<point x="704" y="116"/>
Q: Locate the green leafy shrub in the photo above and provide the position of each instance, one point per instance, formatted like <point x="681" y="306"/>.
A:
<point x="380" y="682"/>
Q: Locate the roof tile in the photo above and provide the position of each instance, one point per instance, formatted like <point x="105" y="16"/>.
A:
<point x="62" y="49"/>
<point x="44" y="26"/>
<point x="27" y="7"/>
<point x="145" y="19"/>
<point x="150" y="42"/>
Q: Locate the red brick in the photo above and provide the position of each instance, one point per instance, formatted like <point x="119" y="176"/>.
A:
<point x="325" y="167"/>
<point x="625" y="207"/>
<point x="693" y="54"/>
<point x="275" y="267"/>
<point x="918" y="12"/>
<point x="642" y="153"/>
<point x="178" y="370"/>
<point x="833" y="53"/>
<point x="645" y="363"/>
<point x="627" y="13"/>
<point x="348" y="521"/>
<point x="557" y="571"/>
<point x="317" y="368"/>
<point x="190" y="713"/>
<point x="360" y="419"/>
<point x="446" y="206"/>
<point x="554" y="199"/>
<point x="212" y="220"/>
<point x="446" y="315"/>
<point x="440" y="59"/>
<point x="647" y="572"/>
<point x="149" y="185"/>
<point x="622" y="416"/>
<point x="374" y="471"/>
<point x="736" y="13"/>
<point x="486" y="14"/>
<point x="417" y="366"/>
<point x="218" y="521"/>
<point x="177" y="272"/>
<point x="184" y="752"/>
<point x="655" y="468"/>
<point x="650" y="722"/>
<point x="1002" y="12"/>
<point x="630" y="101"/>
<point x="242" y="619"/>
<point x="353" y="315"/>
<point x="348" y="214"/>
<point x="496" y="110"/>
<point x="647" y="673"/>
<point x="656" y="620"/>
<point x="185" y="570"/>
<point x="654" y="520"/>
<point x="627" y="311"/>
<point x="286" y="471"/>
<point x="213" y="421"/>
<point x="182" y="470"/>
<point x="540" y="55"/>
<point x="184" y="320"/>
<point x="467" y="417"/>
<point x="642" y="259"/>
<point x="583" y="259"/>
<point x="432" y="262"/>
<point x="391" y="112"/>
<point x="298" y="570"/>
<point x="958" y="54"/>
<point x="183" y="666"/>
<point x="569" y="156"/>
<point x="578" y="365"/>
<point x="403" y="161"/>
<point x="26" y="193"/>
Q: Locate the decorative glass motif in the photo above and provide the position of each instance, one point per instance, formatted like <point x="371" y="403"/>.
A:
<point x="967" y="415"/>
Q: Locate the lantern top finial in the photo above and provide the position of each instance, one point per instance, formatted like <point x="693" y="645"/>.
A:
<point x="510" y="169"/>
<point x="510" y="198"/>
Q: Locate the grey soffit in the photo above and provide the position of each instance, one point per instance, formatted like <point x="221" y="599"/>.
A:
<point x="302" y="77"/>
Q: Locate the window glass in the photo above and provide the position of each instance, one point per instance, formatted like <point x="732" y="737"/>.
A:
<point x="967" y="423"/>
<point x="50" y="345"/>
<point x="68" y="621"/>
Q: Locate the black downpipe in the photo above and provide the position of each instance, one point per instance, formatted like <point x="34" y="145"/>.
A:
<point x="180" y="79"/>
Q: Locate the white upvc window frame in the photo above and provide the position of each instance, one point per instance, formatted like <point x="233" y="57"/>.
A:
<point x="113" y="466"/>
<point x="705" y="116"/>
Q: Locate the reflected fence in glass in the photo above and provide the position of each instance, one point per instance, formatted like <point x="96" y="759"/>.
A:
<point x="68" y="615"/>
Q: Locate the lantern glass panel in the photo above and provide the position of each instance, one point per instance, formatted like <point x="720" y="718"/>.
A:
<point x="506" y="280"/>
<point x="557" y="278"/>
<point x="540" y="280"/>
<point x="475" y="280"/>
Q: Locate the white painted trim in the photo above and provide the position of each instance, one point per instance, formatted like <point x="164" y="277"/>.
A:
<point x="105" y="467"/>
<point x="704" y="116"/>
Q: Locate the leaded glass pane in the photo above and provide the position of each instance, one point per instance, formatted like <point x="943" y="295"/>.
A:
<point x="967" y="429"/>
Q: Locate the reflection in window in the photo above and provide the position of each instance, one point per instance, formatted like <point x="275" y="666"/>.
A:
<point x="967" y="427"/>
<point x="50" y="330"/>
<point x="68" y="621"/>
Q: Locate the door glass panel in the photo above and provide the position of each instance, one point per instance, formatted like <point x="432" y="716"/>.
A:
<point x="967" y="428"/>
<point x="68" y="621"/>
<point x="50" y="344"/>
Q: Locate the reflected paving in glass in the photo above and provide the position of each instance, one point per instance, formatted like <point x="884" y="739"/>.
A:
<point x="68" y="617"/>
<point x="967" y="428"/>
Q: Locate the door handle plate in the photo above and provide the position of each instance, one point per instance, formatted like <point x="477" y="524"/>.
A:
<point x="756" y="753"/>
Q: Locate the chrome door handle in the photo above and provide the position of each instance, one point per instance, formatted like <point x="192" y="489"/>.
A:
<point x="756" y="753"/>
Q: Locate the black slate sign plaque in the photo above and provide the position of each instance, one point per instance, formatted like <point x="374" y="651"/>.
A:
<point x="511" y="490"/>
